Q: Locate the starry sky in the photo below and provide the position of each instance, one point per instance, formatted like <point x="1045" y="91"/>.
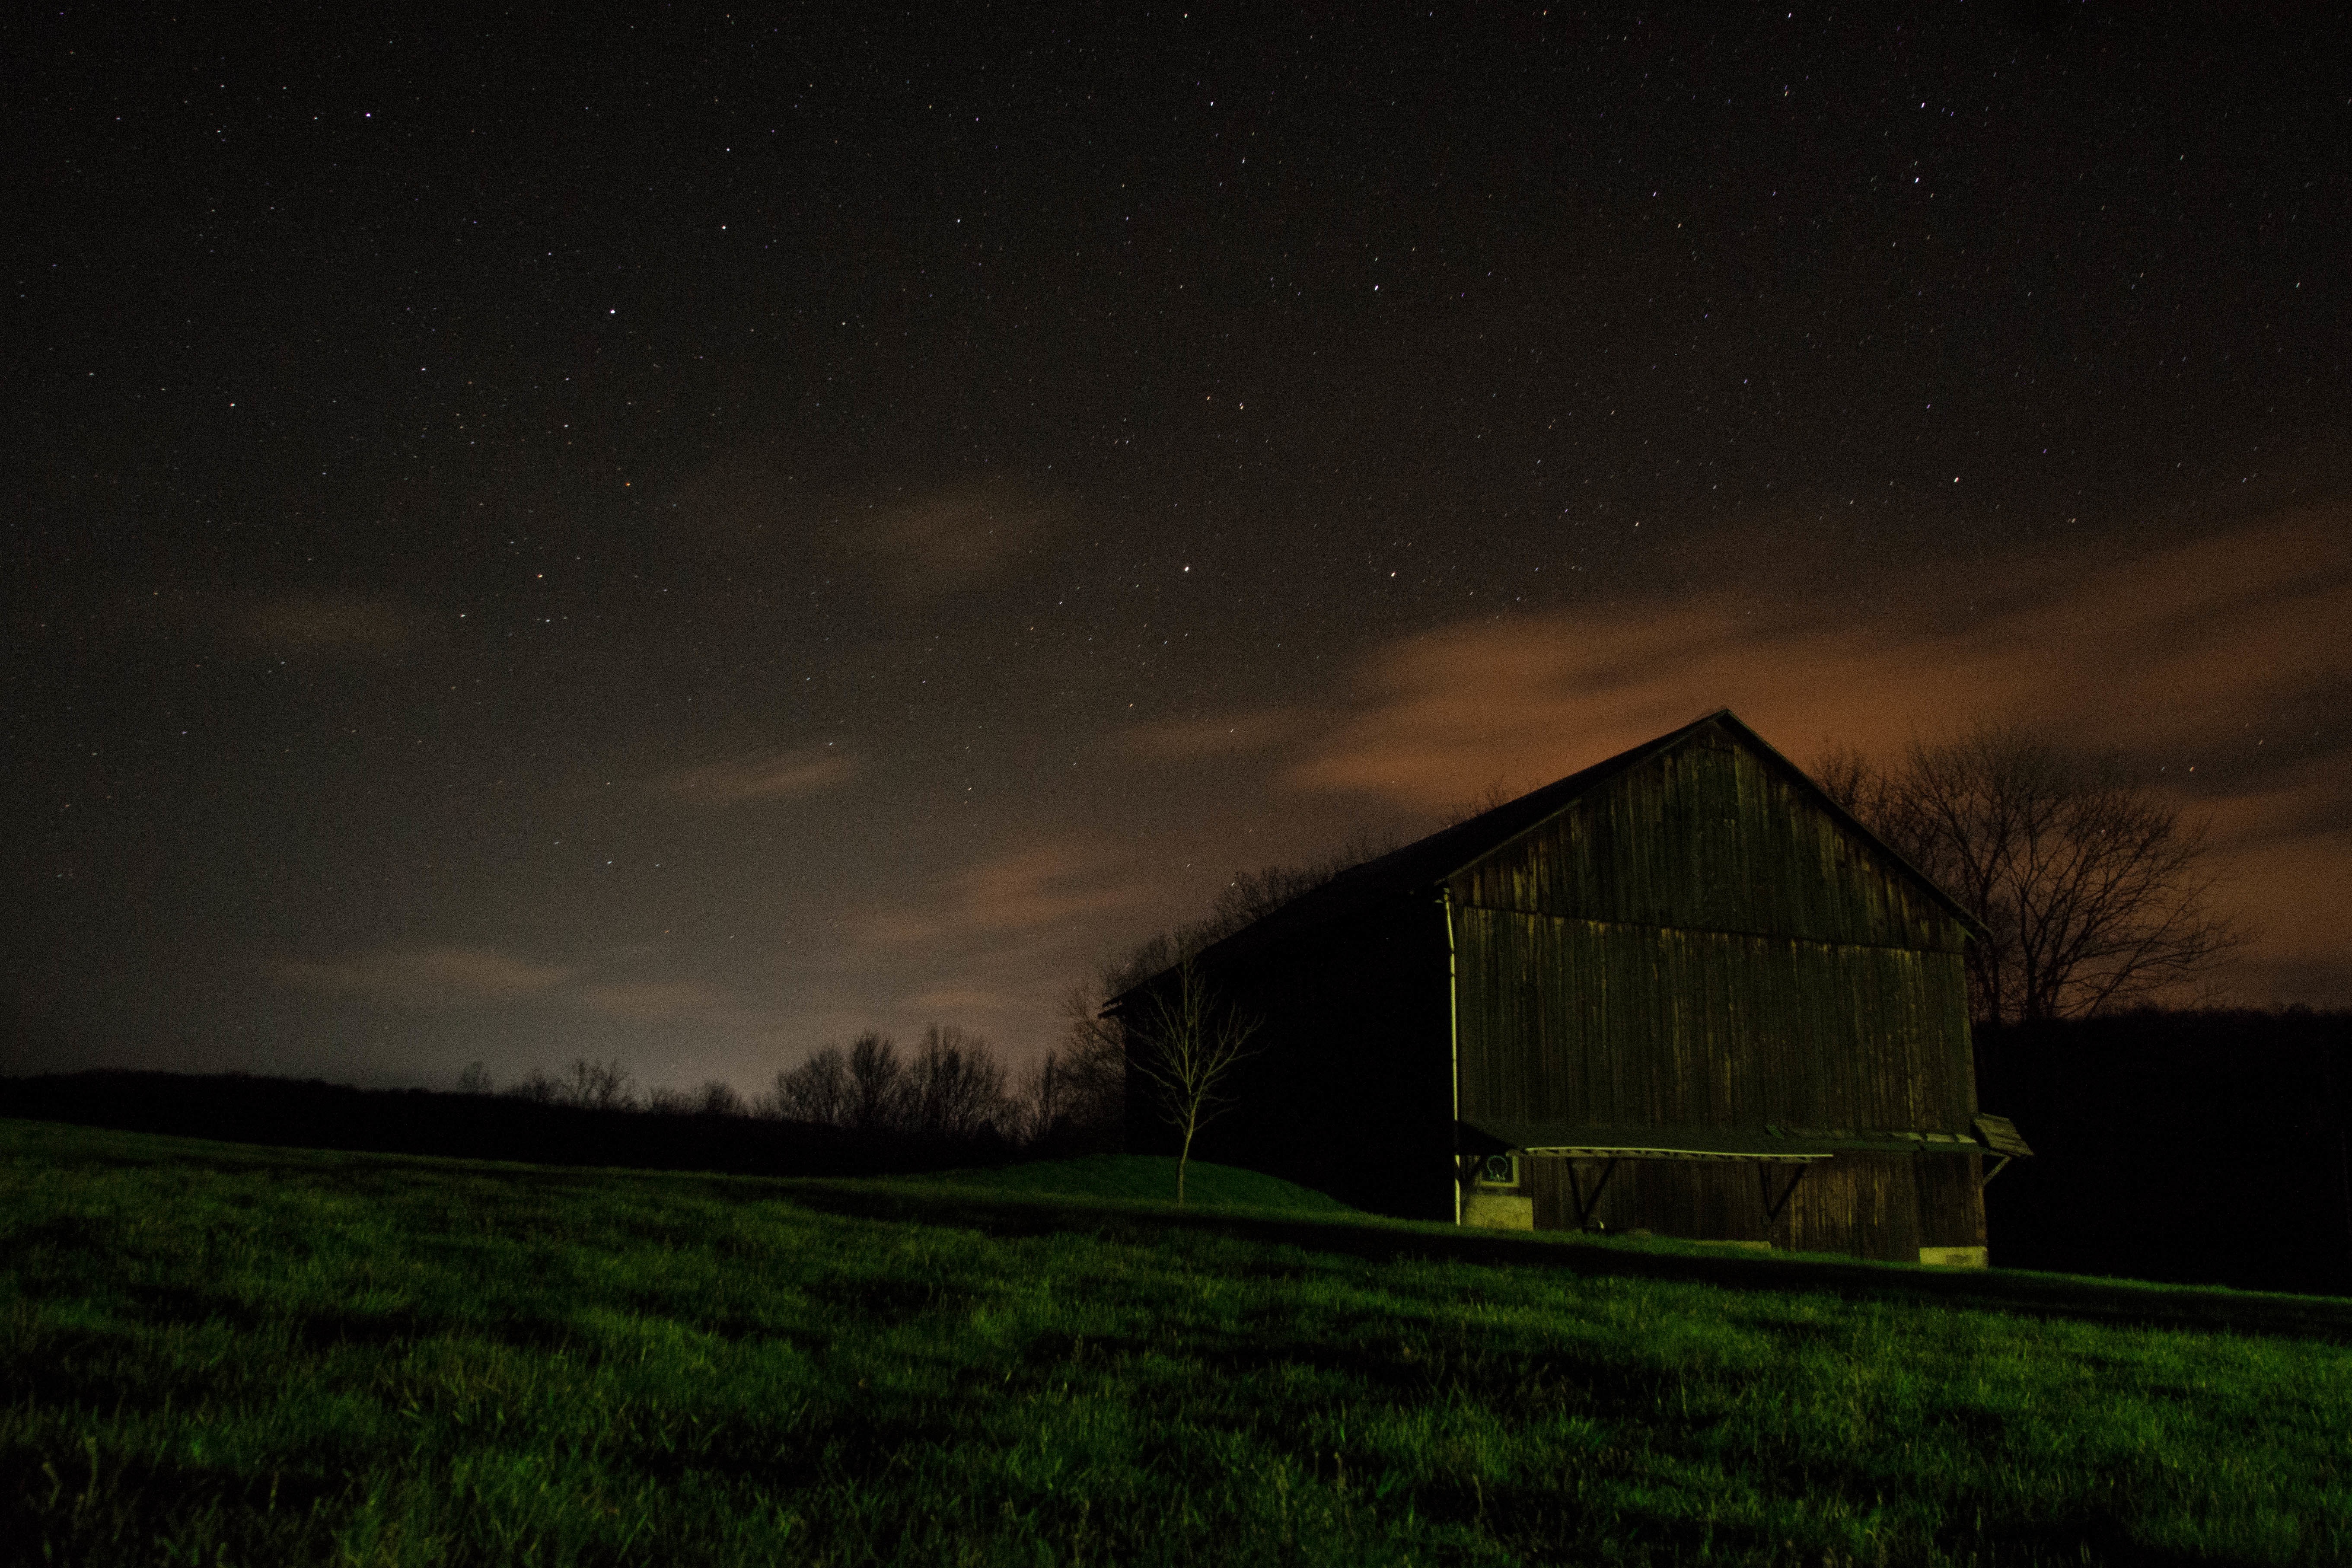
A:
<point x="680" y="542"/>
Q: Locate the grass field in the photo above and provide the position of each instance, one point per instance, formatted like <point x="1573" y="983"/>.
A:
<point x="1138" y="1176"/>
<point x="216" y="1354"/>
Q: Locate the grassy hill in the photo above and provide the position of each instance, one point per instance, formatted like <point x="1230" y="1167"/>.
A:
<point x="217" y="1352"/>
<point x="1147" y="1177"/>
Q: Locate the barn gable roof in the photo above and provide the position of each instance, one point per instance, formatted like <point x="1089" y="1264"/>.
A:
<point x="1426" y="865"/>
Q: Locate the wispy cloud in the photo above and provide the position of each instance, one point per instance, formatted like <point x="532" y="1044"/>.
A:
<point x="657" y="1001"/>
<point x="778" y="775"/>
<point x="316" y="622"/>
<point x="450" y="977"/>
<point x="303" y="621"/>
<point x="956" y="1000"/>
<point x="950" y="540"/>
<point x="1218" y="735"/>
<point x="2153" y="651"/>
<point x="429" y="978"/>
<point x="1038" y="887"/>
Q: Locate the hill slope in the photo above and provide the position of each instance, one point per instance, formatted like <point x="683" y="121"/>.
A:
<point x="1150" y="1178"/>
<point x="270" y="1355"/>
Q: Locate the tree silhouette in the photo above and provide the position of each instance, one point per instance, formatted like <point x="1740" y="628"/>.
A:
<point x="817" y="1090"/>
<point x="1088" y="1084"/>
<point x="1185" y="1051"/>
<point x="2092" y="891"/>
<point x="536" y="1087"/>
<point x="598" y="1086"/>
<point x="955" y="1087"/>
<point x="878" y="1084"/>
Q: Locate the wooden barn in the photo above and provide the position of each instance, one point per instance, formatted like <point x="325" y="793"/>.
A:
<point x="1680" y="992"/>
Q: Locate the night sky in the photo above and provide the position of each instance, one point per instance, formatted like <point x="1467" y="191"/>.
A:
<point x="683" y="542"/>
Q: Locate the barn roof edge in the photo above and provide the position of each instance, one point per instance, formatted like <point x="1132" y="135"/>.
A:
<point x="1429" y="862"/>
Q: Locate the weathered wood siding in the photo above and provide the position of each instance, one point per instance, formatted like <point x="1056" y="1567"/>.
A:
<point x="1699" y="943"/>
<point x="1609" y="1024"/>
<point x="1710" y="836"/>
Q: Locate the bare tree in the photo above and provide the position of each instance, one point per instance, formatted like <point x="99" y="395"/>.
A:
<point x="817" y="1090"/>
<point x="1093" y="1053"/>
<point x="1497" y="792"/>
<point x="1042" y="1104"/>
<point x="536" y="1087"/>
<point x="717" y="1097"/>
<point x="1185" y="1047"/>
<point x="878" y="1084"/>
<point x="1091" y="1061"/>
<point x="955" y="1087"/>
<point x="2093" y="890"/>
<point x="598" y="1086"/>
<point x="476" y="1080"/>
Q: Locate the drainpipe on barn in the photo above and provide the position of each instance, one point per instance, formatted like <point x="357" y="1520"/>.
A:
<point x="1453" y="1042"/>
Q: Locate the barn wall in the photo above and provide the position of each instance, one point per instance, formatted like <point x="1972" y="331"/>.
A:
<point x="1699" y="943"/>
<point x="1602" y="1024"/>
<point x="1711" y="836"/>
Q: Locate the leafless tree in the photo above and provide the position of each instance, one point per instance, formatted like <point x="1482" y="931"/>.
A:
<point x="878" y="1084"/>
<point x="2094" y="892"/>
<point x="537" y="1087"/>
<point x="598" y="1086"/>
<point x="717" y="1097"/>
<point x="476" y="1080"/>
<point x="1042" y="1104"/>
<point x="955" y="1086"/>
<point x="1496" y="792"/>
<point x="1184" y="1050"/>
<point x="1091" y="1061"/>
<point x="817" y="1090"/>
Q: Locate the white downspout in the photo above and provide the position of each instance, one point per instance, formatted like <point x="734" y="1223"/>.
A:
<point x="1453" y="1043"/>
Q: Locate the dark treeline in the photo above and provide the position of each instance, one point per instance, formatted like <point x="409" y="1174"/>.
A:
<point x="594" y="1115"/>
<point x="2198" y="1147"/>
<point x="314" y="1114"/>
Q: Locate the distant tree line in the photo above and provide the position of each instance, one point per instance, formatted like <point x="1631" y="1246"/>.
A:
<point x="951" y="1090"/>
<point x="863" y="1109"/>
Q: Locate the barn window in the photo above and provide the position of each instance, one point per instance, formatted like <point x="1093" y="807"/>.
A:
<point x="1498" y="1171"/>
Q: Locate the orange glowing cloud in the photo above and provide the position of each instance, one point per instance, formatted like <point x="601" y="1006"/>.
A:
<point x="2157" y="650"/>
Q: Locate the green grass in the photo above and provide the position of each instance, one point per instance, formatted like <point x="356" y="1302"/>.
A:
<point x="216" y="1354"/>
<point x="1150" y="1177"/>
